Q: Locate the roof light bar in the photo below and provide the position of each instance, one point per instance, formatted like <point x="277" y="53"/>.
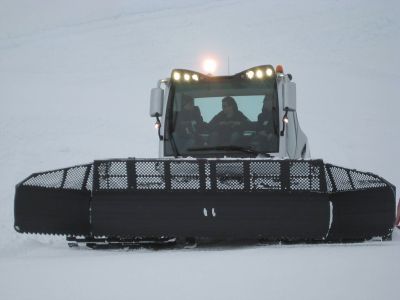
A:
<point x="181" y="75"/>
<point x="260" y="72"/>
<point x="256" y="73"/>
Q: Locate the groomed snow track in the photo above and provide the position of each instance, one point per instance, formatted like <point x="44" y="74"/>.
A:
<point x="295" y="200"/>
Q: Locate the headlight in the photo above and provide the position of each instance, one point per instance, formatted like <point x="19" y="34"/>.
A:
<point x="250" y="74"/>
<point x="177" y="76"/>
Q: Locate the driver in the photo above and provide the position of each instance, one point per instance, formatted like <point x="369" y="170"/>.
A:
<point x="226" y="127"/>
<point x="267" y="124"/>
<point x="267" y="127"/>
<point x="189" y="123"/>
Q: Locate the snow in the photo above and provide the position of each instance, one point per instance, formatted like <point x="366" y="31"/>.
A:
<point x="281" y="272"/>
<point x="75" y="80"/>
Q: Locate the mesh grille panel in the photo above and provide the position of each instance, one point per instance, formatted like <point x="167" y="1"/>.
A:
<point x="305" y="176"/>
<point x="113" y="175"/>
<point x="299" y="169"/>
<point x="229" y="176"/>
<point x="341" y="178"/>
<point x="363" y="180"/>
<point x="347" y="180"/>
<point x="185" y="175"/>
<point x="74" y="178"/>
<point x="266" y="168"/>
<point x="47" y="180"/>
<point x="266" y="183"/>
<point x="70" y="179"/>
<point x="150" y="182"/>
<point x="265" y="175"/>
<point x="149" y="168"/>
<point x="211" y="175"/>
<point x="207" y="175"/>
<point x="150" y="175"/>
<point x="117" y="169"/>
<point x="329" y="186"/>
<point x="89" y="184"/>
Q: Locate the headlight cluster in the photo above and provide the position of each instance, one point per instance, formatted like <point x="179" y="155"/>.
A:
<point x="185" y="76"/>
<point x="254" y="73"/>
<point x="260" y="73"/>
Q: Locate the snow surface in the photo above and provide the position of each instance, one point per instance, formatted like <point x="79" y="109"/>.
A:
<point x="75" y="78"/>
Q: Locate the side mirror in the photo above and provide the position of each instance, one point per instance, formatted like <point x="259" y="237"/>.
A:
<point x="289" y="96"/>
<point x="156" y="102"/>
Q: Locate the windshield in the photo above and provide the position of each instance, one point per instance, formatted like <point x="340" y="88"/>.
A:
<point x="223" y="116"/>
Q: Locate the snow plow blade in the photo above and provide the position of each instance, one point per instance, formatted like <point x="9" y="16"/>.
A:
<point x="293" y="200"/>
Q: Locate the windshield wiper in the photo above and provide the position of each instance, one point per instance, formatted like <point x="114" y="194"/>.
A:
<point x="229" y="148"/>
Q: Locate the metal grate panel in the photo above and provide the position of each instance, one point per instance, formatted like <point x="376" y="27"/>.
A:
<point x="112" y="175"/>
<point x="207" y="176"/>
<point x="265" y="175"/>
<point x="329" y="186"/>
<point x="185" y="175"/>
<point x="47" y="180"/>
<point x="229" y="175"/>
<point x="304" y="175"/>
<point x="89" y="183"/>
<point x="365" y="180"/>
<point x="74" y="178"/>
<point x="341" y="178"/>
<point x="149" y="175"/>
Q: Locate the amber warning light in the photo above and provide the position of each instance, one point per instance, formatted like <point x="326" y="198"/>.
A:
<point x="279" y="69"/>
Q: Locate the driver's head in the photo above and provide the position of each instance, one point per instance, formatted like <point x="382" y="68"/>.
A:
<point x="229" y="106"/>
<point x="188" y="102"/>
